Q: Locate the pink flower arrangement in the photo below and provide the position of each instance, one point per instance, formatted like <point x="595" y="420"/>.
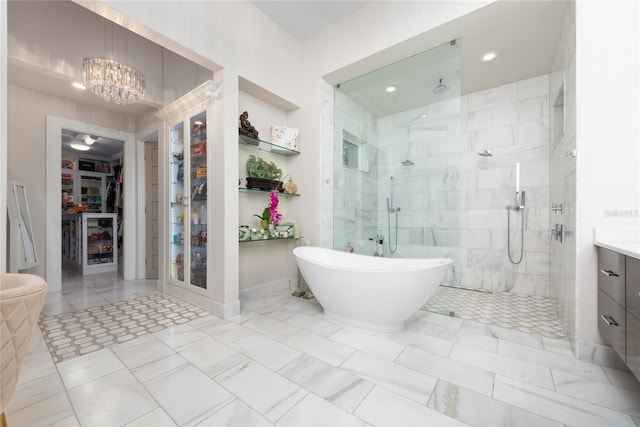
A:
<point x="273" y="208"/>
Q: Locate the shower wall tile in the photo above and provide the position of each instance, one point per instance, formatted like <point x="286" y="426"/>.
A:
<point x="452" y="200"/>
<point x="505" y="114"/>
<point x="533" y="87"/>
<point x="491" y="138"/>
<point x="478" y="119"/>
<point x="534" y="130"/>
<point x="492" y="97"/>
<point x="533" y="108"/>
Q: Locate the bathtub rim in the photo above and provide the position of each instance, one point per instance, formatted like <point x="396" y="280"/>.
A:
<point x="374" y="264"/>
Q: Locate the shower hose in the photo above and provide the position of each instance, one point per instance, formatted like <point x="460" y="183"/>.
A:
<point x="509" y="236"/>
<point x="395" y="247"/>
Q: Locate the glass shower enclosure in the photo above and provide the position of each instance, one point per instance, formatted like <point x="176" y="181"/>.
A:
<point x="398" y="185"/>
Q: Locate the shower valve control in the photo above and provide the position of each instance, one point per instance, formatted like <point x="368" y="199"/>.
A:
<point x="558" y="209"/>
<point x="558" y="232"/>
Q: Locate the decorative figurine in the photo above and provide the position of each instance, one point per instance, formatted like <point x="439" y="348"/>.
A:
<point x="245" y="126"/>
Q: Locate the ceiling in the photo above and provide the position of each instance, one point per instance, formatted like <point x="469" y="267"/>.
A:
<point x="525" y="34"/>
<point x="305" y="19"/>
<point x="101" y="148"/>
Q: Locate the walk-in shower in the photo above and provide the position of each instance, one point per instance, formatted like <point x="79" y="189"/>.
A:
<point x="431" y="174"/>
<point x="411" y="190"/>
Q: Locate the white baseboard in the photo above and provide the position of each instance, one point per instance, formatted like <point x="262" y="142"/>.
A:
<point x="268" y="288"/>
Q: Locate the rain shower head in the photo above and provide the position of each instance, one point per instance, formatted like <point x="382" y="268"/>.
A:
<point x="440" y="88"/>
<point x="407" y="163"/>
<point x="486" y="153"/>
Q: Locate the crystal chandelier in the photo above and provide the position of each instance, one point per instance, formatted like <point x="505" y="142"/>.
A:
<point x="113" y="81"/>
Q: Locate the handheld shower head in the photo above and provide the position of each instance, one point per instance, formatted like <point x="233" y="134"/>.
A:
<point x="486" y="153"/>
<point x="407" y="163"/>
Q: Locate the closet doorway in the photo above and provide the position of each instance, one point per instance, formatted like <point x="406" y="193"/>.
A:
<point x="56" y="127"/>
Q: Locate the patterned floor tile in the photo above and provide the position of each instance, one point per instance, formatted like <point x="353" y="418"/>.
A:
<point x="526" y="313"/>
<point x="73" y="334"/>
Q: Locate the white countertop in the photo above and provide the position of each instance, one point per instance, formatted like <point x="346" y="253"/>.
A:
<point x="624" y="240"/>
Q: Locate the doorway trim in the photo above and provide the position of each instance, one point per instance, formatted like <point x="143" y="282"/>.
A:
<point x="141" y="137"/>
<point x="54" y="214"/>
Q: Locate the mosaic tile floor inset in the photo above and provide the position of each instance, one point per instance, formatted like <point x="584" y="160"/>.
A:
<point x="73" y="334"/>
<point x="526" y="313"/>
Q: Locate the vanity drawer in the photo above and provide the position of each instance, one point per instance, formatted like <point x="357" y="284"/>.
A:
<point x="633" y="344"/>
<point x="611" y="274"/>
<point x="633" y="286"/>
<point x="611" y="323"/>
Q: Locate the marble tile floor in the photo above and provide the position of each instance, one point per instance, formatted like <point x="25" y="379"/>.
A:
<point x="281" y="363"/>
<point x="81" y="292"/>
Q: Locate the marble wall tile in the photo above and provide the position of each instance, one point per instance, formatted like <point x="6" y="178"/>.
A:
<point x="451" y="193"/>
<point x="533" y="87"/>
<point x="492" y="97"/>
<point x="533" y="108"/>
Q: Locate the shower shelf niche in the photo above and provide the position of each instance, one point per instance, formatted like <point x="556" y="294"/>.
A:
<point x="266" y="146"/>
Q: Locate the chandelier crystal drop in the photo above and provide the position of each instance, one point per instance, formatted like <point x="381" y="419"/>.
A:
<point x="113" y="81"/>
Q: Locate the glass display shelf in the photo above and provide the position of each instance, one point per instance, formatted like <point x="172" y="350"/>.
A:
<point x="254" y="190"/>
<point x="268" y="239"/>
<point x="266" y="146"/>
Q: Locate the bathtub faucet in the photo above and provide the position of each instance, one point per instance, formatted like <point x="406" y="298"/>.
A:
<point x="379" y="242"/>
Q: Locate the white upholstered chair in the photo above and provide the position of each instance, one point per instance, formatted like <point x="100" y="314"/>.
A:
<point x="21" y="299"/>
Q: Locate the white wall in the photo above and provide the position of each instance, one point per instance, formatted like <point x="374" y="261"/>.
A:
<point x="608" y="141"/>
<point x="3" y="137"/>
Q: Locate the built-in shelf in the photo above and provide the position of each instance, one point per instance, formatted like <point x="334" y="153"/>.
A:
<point x="253" y="190"/>
<point x="268" y="239"/>
<point x="266" y="146"/>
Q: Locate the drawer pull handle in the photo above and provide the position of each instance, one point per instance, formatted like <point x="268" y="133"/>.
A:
<point x="609" y="320"/>
<point x="608" y="273"/>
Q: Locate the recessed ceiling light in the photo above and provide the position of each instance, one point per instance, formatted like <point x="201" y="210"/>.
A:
<point x="489" y="56"/>
<point x="80" y="147"/>
<point x="391" y="88"/>
<point x="78" y="85"/>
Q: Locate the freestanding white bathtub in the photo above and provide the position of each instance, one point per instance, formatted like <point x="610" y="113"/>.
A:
<point x="377" y="294"/>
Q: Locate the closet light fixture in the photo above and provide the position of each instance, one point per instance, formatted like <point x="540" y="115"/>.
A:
<point x="391" y="89"/>
<point x="80" y="147"/>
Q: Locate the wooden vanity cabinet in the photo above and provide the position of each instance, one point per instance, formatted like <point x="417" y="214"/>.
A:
<point x="619" y="305"/>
